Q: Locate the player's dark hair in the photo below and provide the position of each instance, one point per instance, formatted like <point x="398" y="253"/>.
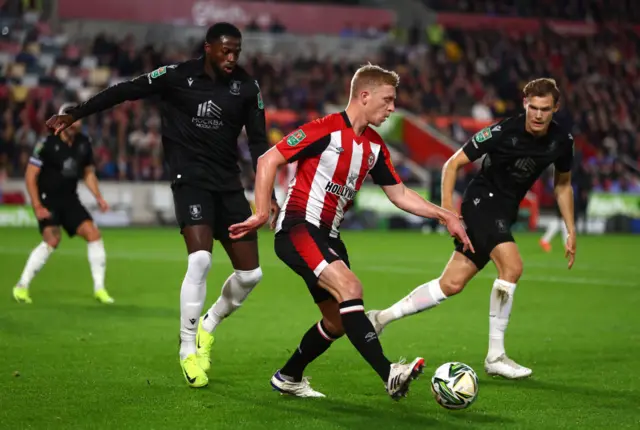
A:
<point x="542" y="87"/>
<point x="217" y="30"/>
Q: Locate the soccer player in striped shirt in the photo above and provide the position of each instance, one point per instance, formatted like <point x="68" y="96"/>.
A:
<point x="335" y="154"/>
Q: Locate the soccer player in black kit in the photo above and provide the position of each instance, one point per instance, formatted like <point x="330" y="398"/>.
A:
<point x="516" y="151"/>
<point x="205" y="103"/>
<point x="56" y="165"/>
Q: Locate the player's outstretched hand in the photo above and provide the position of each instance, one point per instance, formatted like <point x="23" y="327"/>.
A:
<point x="453" y="223"/>
<point x="42" y="212"/>
<point x="254" y="222"/>
<point x="102" y="204"/>
<point x="570" y="249"/>
<point x="275" y="212"/>
<point x="59" y="122"/>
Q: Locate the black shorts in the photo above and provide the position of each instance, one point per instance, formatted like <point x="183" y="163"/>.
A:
<point x="488" y="218"/>
<point x="218" y="209"/>
<point x="66" y="212"/>
<point x="307" y="250"/>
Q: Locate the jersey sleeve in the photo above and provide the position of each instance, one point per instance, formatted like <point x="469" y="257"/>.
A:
<point x="255" y="123"/>
<point x="383" y="173"/>
<point x="565" y="162"/>
<point x="309" y="140"/>
<point x="143" y="86"/>
<point x="483" y="142"/>
<point x="40" y="153"/>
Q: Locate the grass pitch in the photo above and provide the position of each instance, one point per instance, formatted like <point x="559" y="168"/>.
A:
<point x="67" y="362"/>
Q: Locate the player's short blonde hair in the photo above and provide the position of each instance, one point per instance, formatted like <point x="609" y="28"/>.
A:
<point x="371" y="75"/>
<point x="542" y="87"/>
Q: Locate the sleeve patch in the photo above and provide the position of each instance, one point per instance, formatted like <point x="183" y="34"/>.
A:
<point x="482" y="135"/>
<point x="296" y="137"/>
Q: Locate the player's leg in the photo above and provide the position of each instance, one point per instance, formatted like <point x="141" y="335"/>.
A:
<point x="314" y="343"/>
<point x="345" y="287"/>
<point x="231" y="208"/>
<point x="195" y="213"/>
<point x="507" y="259"/>
<point x="37" y="259"/>
<point x="97" y="257"/>
<point x="457" y="273"/>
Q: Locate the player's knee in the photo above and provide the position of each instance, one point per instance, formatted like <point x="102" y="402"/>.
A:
<point x="451" y="286"/>
<point x="249" y="278"/>
<point x="199" y="265"/>
<point x="52" y="241"/>
<point x="51" y="238"/>
<point x="512" y="271"/>
<point x="351" y="289"/>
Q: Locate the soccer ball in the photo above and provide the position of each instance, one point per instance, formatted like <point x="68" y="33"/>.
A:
<point x="454" y="385"/>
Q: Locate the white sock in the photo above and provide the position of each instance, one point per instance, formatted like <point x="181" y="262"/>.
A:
<point x="499" y="310"/>
<point x="192" y="298"/>
<point x="552" y="230"/>
<point x="422" y="298"/>
<point x="98" y="263"/>
<point x="234" y="292"/>
<point x="36" y="260"/>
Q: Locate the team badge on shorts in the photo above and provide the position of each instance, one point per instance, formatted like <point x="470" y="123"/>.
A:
<point x="195" y="211"/>
<point x="502" y="226"/>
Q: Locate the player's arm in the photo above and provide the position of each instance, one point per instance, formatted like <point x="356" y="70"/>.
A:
<point x="32" y="172"/>
<point x="481" y="143"/>
<point x="91" y="180"/>
<point x="137" y="88"/>
<point x="563" y="192"/>
<point x="384" y="174"/>
<point x="256" y="127"/>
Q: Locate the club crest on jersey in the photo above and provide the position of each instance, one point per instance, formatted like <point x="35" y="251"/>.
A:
<point x="234" y="88"/>
<point x="371" y="160"/>
<point x="195" y="211"/>
<point x="482" y="135"/>
<point x="296" y="137"/>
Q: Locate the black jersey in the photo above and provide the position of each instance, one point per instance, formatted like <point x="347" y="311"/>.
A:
<point x="61" y="165"/>
<point x="201" y="120"/>
<point x="514" y="158"/>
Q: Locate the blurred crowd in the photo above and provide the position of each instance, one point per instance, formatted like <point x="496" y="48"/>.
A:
<point x="450" y="73"/>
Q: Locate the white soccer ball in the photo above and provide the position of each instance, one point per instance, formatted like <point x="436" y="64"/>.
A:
<point x="454" y="385"/>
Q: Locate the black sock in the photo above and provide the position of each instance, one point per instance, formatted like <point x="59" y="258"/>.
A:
<point x="363" y="336"/>
<point x="314" y="343"/>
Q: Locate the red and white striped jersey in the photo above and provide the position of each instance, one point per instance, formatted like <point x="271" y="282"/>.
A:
<point x="332" y="164"/>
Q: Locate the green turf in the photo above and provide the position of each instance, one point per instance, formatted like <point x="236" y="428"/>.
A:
<point x="84" y="366"/>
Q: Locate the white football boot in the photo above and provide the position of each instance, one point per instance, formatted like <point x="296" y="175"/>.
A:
<point x="298" y="389"/>
<point x="373" y="317"/>
<point x="401" y="376"/>
<point x="506" y="367"/>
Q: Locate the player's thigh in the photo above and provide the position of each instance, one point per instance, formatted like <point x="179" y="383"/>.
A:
<point x="232" y="207"/>
<point x="73" y="215"/>
<point x="306" y="254"/>
<point x="506" y="257"/>
<point x="340" y="282"/>
<point x="195" y="214"/>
